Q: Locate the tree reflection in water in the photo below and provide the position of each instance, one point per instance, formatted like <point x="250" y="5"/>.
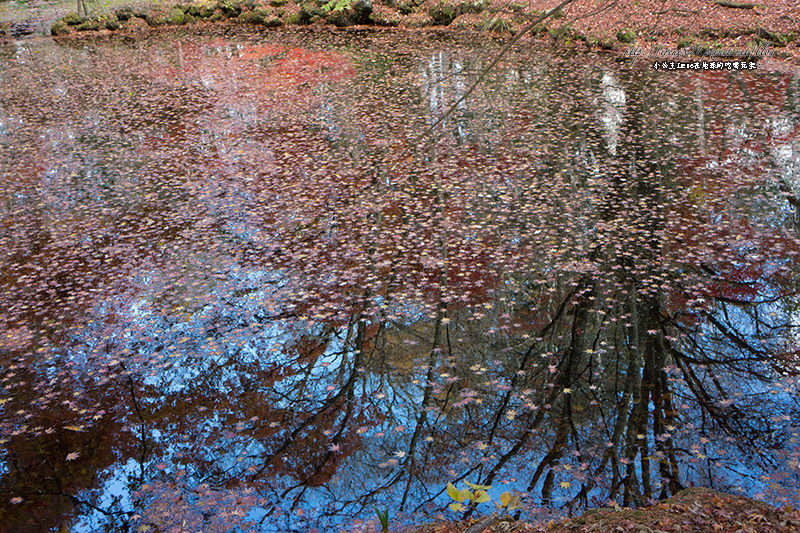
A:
<point x="236" y="290"/>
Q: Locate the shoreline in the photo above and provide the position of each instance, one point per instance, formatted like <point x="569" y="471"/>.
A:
<point x="570" y="29"/>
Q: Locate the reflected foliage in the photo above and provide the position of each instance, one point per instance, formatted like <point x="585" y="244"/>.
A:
<point x="239" y="291"/>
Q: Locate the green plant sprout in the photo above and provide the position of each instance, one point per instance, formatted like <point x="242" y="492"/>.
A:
<point x="383" y="518"/>
<point x="508" y="501"/>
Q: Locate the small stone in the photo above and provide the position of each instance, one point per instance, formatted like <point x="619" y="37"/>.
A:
<point x="362" y="9"/>
<point x="72" y="19"/>
<point x="124" y="13"/>
<point x="176" y="16"/>
<point x="59" y="27"/>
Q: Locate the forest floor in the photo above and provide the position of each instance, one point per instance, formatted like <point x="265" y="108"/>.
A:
<point x="690" y="25"/>
<point x="693" y="510"/>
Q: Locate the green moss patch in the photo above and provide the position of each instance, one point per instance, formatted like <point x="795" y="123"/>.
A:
<point x="176" y="17"/>
<point x="59" y="27"/>
<point x="446" y="11"/>
<point x="626" y="36"/>
<point x="72" y="19"/>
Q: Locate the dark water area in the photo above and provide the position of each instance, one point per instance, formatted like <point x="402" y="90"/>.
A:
<point x="240" y="292"/>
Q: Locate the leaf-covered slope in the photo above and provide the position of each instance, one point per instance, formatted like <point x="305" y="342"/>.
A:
<point x="694" y="510"/>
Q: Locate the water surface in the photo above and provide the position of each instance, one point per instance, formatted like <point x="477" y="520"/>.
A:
<point x="239" y="290"/>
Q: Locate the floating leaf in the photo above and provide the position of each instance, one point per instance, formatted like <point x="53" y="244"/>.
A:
<point x="454" y="493"/>
<point x="481" y="496"/>
<point x="505" y="498"/>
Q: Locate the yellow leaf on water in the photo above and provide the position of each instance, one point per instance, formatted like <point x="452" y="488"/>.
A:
<point x="505" y="498"/>
<point x="481" y="496"/>
<point x="453" y="492"/>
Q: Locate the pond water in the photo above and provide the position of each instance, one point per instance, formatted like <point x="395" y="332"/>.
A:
<point x="240" y="289"/>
